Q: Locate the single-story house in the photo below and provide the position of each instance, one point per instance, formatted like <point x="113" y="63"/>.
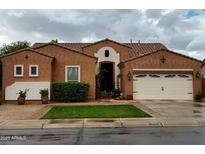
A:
<point x="140" y="70"/>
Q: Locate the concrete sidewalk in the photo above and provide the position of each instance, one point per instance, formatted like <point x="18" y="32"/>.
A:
<point x="97" y="123"/>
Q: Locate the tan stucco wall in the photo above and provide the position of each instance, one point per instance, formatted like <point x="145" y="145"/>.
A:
<point x="64" y="57"/>
<point x="43" y="62"/>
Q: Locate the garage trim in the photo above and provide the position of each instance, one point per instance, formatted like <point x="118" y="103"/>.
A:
<point x="162" y="71"/>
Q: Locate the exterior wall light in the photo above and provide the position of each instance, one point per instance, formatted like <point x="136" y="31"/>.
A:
<point x="198" y="75"/>
<point x="129" y="76"/>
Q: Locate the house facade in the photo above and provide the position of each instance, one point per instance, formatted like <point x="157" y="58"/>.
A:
<point x="139" y="70"/>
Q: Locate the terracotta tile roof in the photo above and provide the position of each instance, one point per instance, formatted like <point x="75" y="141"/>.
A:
<point x="137" y="49"/>
<point x="74" y="46"/>
<point x="39" y="45"/>
<point x="26" y="49"/>
<point x="142" y="55"/>
<point x="106" y="40"/>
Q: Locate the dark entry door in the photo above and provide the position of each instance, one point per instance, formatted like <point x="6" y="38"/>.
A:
<point x="107" y="77"/>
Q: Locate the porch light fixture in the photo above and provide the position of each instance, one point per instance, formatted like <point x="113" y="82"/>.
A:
<point x="198" y="75"/>
<point x="129" y="76"/>
<point x="163" y="59"/>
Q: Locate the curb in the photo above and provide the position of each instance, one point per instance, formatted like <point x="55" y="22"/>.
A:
<point x="100" y="123"/>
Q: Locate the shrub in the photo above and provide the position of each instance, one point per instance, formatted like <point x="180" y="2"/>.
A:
<point x="71" y="91"/>
<point x="44" y="92"/>
<point x="22" y="93"/>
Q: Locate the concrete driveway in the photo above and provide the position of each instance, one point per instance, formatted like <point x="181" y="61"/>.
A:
<point x="173" y="108"/>
<point x="12" y="111"/>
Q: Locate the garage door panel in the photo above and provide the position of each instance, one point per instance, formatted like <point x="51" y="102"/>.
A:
<point x="11" y="92"/>
<point x="162" y="86"/>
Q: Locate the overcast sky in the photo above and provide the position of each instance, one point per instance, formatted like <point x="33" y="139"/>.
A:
<point x="180" y="30"/>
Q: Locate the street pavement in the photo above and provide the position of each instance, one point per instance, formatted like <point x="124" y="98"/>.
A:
<point x="105" y="136"/>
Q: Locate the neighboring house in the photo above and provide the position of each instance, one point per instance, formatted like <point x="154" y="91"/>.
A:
<point x="140" y="70"/>
<point x="203" y="69"/>
<point x="203" y="78"/>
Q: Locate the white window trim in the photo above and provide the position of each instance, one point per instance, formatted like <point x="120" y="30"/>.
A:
<point x="18" y="75"/>
<point x="67" y="72"/>
<point x="33" y="75"/>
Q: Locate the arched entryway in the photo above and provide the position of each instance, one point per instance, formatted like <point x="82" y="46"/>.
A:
<point x="107" y="77"/>
<point x="107" y="72"/>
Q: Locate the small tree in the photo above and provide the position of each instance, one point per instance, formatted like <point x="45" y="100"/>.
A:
<point x="12" y="47"/>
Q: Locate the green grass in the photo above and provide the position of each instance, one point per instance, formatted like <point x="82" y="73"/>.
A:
<point x="97" y="111"/>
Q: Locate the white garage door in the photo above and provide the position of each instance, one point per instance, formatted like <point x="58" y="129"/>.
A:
<point x="163" y="86"/>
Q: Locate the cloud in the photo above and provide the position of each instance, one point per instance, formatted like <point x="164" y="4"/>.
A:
<point x="180" y="30"/>
<point x="15" y="13"/>
<point x="154" y="14"/>
<point x="68" y="16"/>
<point x="196" y="44"/>
<point x="91" y="38"/>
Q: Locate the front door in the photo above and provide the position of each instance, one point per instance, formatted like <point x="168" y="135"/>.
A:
<point x="106" y="83"/>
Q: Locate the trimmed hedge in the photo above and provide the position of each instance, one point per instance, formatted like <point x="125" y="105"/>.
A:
<point x="71" y="91"/>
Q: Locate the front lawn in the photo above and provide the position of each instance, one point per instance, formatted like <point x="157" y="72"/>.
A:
<point x="97" y="111"/>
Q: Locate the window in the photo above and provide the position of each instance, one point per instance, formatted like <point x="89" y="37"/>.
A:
<point x="18" y="70"/>
<point x="140" y="76"/>
<point x="72" y="73"/>
<point x="33" y="70"/>
<point x="154" y="76"/>
<point x="183" y="76"/>
<point x="169" y="76"/>
<point x="107" y="53"/>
